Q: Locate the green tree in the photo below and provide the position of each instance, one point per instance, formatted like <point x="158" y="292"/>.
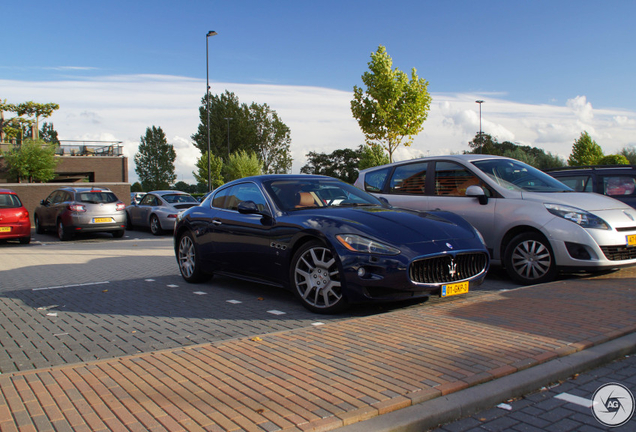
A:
<point x="272" y="139"/>
<point x="49" y="134"/>
<point x="136" y="187"/>
<point x="241" y="164"/>
<point x="538" y="158"/>
<point x="630" y="154"/>
<point x="341" y="164"/>
<point x="585" y="151"/>
<point x="155" y="160"/>
<point x="201" y="175"/>
<point x="28" y="115"/>
<point x="33" y="160"/>
<point x="615" y="159"/>
<point x="392" y="108"/>
<point x="373" y="155"/>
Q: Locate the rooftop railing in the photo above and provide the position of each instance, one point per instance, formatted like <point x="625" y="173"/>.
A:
<point x="80" y="148"/>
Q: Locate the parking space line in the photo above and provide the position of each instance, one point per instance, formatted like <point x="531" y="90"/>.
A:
<point x="575" y="400"/>
<point x="71" y="286"/>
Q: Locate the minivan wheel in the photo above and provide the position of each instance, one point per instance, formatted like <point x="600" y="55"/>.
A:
<point x="62" y="233"/>
<point x="529" y="259"/>
<point x="316" y="279"/>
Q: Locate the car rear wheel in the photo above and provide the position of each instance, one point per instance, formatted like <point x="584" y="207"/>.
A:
<point x="529" y="259"/>
<point x="118" y="234"/>
<point x="190" y="261"/>
<point x="38" y="228"/>
<point x="155" y="226"/>
<point x="316" y="279"/>
<point x="62" y="233"/>
<point x="25" y="240"/>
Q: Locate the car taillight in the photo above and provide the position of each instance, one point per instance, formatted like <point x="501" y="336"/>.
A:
<point x="172" y="216"/>
<point x="77" y="207"/>
<point x="121" y="206"/>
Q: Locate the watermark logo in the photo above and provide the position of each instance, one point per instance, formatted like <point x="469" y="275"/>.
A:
<point x="613" y="404"/>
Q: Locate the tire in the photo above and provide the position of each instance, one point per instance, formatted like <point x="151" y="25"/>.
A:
<point x="129" y="224"/>
<point x="189" y="260"/>
<point x="155" y="226"/>
<point x="39" y="229"/>
<point x="316" y="279"/>
<point x="62" y="232"/>
<point x="529" y="259"/>
<point x="118" y="234"/>
<point x="25" y="240"/>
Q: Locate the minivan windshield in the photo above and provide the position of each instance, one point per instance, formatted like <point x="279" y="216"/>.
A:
<point x="515" y="175"/>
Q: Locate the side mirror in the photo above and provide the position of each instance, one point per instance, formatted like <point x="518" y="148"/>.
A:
<point x="44" y="202"/>
<point x="248" y="207"/>
<point x="475" y="191"/>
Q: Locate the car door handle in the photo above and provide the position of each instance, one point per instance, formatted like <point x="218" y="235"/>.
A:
<point x="217" y="222"/>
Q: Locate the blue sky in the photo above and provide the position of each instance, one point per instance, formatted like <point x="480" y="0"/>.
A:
<point x="515" y="55"/>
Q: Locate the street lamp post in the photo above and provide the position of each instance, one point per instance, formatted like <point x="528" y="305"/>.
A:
<point x="228" y="134"/>
<point x="480" y="132"/>
<point x="207" y="98"/>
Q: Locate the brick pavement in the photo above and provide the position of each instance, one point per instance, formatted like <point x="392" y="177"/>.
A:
<point x="323" y="377"/>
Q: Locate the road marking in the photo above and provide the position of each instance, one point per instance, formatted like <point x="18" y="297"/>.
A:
<point x="71" y="286"/>
<point x="575" y="400"/>
<point x="234" y="301"/>
<point x="199" y="293"/>
<point x="173" y="286"/>
<point x="276" y="312"/>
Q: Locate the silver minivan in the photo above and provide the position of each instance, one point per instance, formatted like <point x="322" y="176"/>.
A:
<point x="532" y="224"/>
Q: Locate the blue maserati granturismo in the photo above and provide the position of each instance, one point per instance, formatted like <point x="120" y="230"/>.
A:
<point x="328" y="242"/>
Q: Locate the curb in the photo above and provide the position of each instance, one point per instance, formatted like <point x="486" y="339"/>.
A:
<point x="444" y="409"/>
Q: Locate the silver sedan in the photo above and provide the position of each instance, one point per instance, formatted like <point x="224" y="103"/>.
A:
<point x="158" y="210"/>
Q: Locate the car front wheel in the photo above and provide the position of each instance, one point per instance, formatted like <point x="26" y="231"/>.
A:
<point x="190" y="261"/>
<point x="316" y="279"/>
<point x="39" y="229"/>
<point x="529" y="259"/>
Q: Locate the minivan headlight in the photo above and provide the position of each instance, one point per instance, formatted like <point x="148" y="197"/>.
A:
<point x="358" y="243"/>
<point x="578" y="216"/>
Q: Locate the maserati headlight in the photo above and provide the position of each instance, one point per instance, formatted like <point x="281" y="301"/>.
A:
<point x="578" y="216"/>
<point x="358" y="243"/>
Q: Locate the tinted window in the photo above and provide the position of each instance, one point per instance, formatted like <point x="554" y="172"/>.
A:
<point x="452" y="179"/>
<point x="580" y="183"/>
<point x="409" y="179"/>
<point x="219" y="198"/>
<point x="9" y="201"/>
<point x="97" y="197"/>
<point x="296" y="194"/>
<point x="374" y="180"/>
<point x="179" y="198"/>
<point x="245" y="192"/>
<point x="150" y="200"/>
<point x="619" y="185"/>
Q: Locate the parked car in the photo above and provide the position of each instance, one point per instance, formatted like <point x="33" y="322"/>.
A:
<point x="289" y="231"/>
<point x="72" y="210"/>
<point x="14" y="218"/>
<point x="618" y="181"/>
<point x="533" y="224"/>
<point x="158" y="210"/>
<point x="135" y="197"/>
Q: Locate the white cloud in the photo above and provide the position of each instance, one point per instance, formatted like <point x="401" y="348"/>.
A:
<point x="120" y="108"/>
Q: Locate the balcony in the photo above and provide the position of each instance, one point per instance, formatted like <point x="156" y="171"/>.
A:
<point x="80" y="148"/>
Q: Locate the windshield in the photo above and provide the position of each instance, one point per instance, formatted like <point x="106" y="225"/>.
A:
<point x="314" y="193"/>
<point x="515" y="175"/>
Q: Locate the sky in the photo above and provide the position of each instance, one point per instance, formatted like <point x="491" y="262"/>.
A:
<point x="546" y="70"/>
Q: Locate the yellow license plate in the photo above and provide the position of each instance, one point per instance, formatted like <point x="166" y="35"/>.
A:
<point x="631" y="240"/>
<point x="454" y="289"/>
<point x="102" y="220"/>
<point x="5" y="229"/>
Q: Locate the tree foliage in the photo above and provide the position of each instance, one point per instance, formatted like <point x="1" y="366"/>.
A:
<point x="615" y="159"/>
<point x="393" y="107"/>
<point x="585" y="151"/>
<point x="155" y="160"/>
<point x="536" y="157"/>
<point x="372" y="155"/>
<point x="242" y="164"/>
<point x="27" y="115"/>
<point x="33" y="160"/>
<point x="630" y="154"/>
<point x="201" y="174"/>
<point x="254" y="128"/>
<point x="342" y="164"/>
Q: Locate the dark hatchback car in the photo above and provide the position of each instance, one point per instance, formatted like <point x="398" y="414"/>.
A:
<point x="617" y="181"/>
<point x="74" y="210"/>
<point x="14" y="218"/>
<point x="327" y="241"/>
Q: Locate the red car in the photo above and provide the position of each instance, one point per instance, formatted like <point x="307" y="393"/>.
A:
<point x="14" y="218"/>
